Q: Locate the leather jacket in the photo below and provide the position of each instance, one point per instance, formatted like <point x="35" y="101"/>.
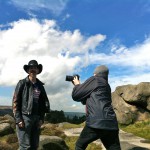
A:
<point x="23" y="99"/>
<point x="95" y="92"/>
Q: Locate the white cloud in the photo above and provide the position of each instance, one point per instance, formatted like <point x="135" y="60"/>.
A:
<point x="133" y="62"/>
<point x="74" y="105"/>
<point x="55" y="6"/>
<point x="136" y="56"/>
<point x="60" y="53"/>
<point x="130" y="79"/>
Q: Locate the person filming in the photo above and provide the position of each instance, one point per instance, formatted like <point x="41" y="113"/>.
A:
<point x="101" y="121"/>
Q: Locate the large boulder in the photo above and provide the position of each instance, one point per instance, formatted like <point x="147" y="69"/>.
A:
<point x="132" y="102"/>
<point x="52" y="130"/>
<point x="5" y="128"/>
<point x="52" y="142"/>
<point x="8" y="119"/>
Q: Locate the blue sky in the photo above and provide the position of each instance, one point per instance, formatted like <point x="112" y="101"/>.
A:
<point x="73" y="36"/>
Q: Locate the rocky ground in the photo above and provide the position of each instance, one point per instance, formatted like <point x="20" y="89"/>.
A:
<point x="128" y="140"/>
<point x="7" y="127"/>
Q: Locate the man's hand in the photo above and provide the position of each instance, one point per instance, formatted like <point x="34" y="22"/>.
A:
<point x="21" y="124"/>
<point x="76" y="81"/>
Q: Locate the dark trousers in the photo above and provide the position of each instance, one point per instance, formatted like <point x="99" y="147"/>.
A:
<point x="28" y="136"/>
<point x="109" y="138"/>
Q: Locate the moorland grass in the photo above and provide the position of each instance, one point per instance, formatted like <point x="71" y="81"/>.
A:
<point x="70" y="126"/>
<point x="54" y="130"/>
<point x="70" y="141"/>
<point x="140" y="128"/>
<point x="9" y="142"/>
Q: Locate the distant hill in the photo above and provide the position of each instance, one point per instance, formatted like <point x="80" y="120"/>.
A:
<point x="72" y="114"/>
<point x="6" y="110"/>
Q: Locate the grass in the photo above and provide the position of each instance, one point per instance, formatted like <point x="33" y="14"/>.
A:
<point x="9" y="142"/>
<point x="54" y="130"/>
<point x="70" y="141"/>
<point x="69" y="125"/>
<point x="140" y="128"/>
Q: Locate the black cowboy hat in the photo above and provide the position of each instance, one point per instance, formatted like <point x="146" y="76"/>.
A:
<point x="33" y="63"/>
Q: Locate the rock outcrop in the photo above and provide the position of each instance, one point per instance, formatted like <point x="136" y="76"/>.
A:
<point x="9" y="141"/>
<point x="52" y="142"/>
<point x="132" y="102"/>
<point x="6" y="125"/>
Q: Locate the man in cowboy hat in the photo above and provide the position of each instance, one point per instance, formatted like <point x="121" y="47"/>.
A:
<point x="30" y="103"/>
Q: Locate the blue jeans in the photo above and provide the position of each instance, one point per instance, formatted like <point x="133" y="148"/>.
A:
<point x="28" y="136"/>
<point x="109" y="138"/>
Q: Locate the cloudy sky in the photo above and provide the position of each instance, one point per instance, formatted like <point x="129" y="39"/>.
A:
<point x="73" y="36"/>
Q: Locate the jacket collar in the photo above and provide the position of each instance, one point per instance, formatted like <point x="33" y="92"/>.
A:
<point x="28" y="81"/>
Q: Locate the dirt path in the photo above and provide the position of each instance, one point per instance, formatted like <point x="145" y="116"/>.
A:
<point x="128" y="140"/>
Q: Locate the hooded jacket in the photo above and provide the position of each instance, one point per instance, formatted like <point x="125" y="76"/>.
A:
<point x="95" y="92"/>
<point x="23" y="100"/>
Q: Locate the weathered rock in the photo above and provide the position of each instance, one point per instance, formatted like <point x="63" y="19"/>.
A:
<point x="52" y="142"/>
<point x="5" y="129"/>
<point x="8" y="119"/>
<point x="132" y="102"/>
<point x="52" y="130"/>
<point x="135" y="94"/>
